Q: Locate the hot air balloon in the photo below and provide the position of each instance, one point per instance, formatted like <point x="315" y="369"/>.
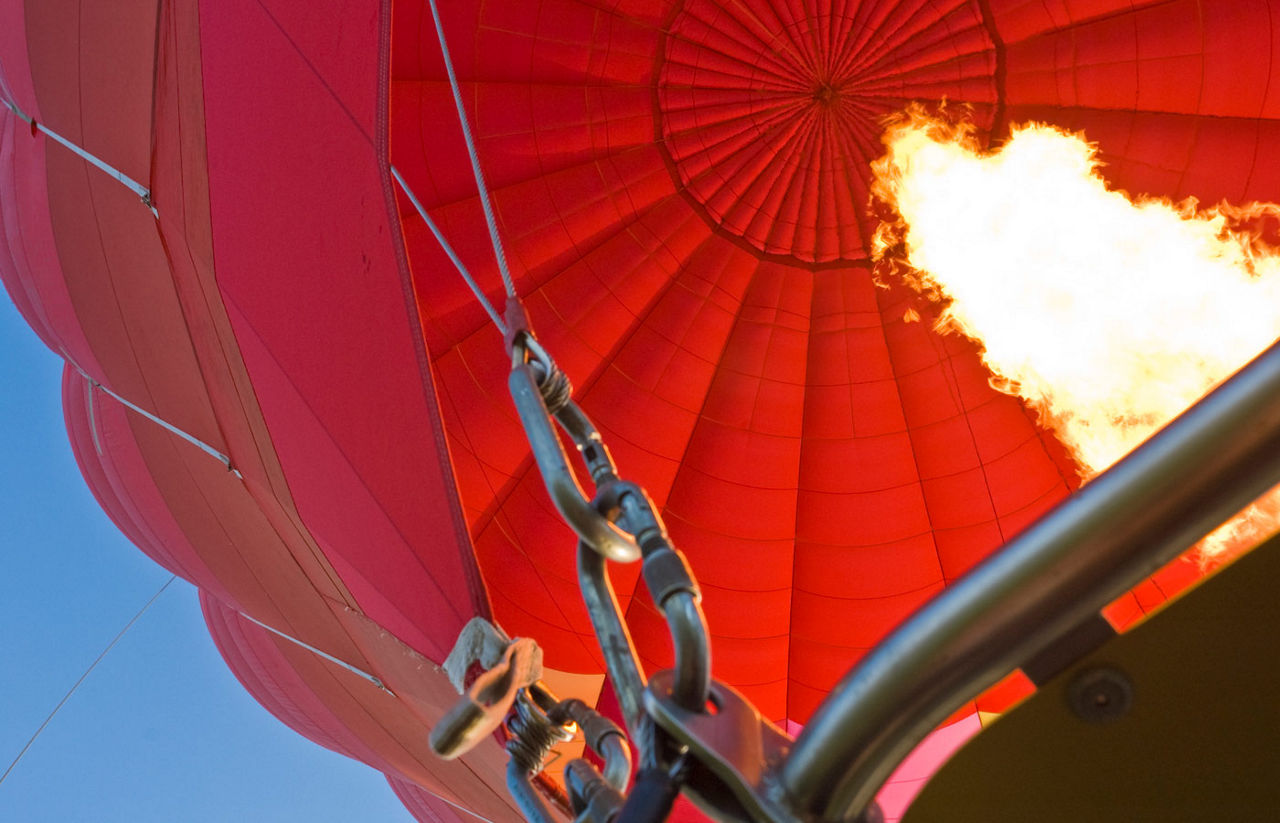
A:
<point x="280" y="387"/>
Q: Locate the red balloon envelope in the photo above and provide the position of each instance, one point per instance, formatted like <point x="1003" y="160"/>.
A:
<point x="280" y="388"/>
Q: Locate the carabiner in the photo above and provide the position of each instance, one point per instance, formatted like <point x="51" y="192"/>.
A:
<point x="593" y="527"/>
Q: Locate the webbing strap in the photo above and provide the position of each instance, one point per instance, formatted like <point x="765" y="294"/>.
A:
<point x="337" y="661"/>
<point x="166" y="425"/>
<point x="128" y="182"/>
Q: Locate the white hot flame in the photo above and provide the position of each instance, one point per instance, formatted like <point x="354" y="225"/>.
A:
<point x="1109" y="314"/>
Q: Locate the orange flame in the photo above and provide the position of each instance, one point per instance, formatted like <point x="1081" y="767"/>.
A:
<point x="1109" y="314"/>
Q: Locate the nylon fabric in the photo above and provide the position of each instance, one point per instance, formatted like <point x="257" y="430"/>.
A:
<point x="826" y="465"/>
<point x="349" y="713"/>
<point x="93" y="66"/>
<point x="425" y="806"/>
<point x="681" y="188"/>
<point x="355" y="440"/>
<point x="27" y="235"/>
<point x="143" y="305"/>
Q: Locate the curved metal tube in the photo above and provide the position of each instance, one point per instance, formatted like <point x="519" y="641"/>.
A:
<point x="594" y="529"/>
<point x="531" y="804"/>
<point x="675" y="592"/>
<point x="595" y="799"/>
<point x="617" y="762"/>
<point x="603" y="737"/>
<point x="693" y="652"/>
<point x="1205" y="466"/>
<point x="620" y="656"/>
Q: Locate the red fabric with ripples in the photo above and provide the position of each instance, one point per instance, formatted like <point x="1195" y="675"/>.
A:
<point x="682" y="190"/>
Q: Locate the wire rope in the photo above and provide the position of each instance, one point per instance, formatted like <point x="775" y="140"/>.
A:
<point x="448" y="249"/>
<point x="489" y="220"/>
<point x="86" y="674"/>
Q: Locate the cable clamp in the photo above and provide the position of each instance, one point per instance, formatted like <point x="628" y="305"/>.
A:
<point x="487" y="701"/>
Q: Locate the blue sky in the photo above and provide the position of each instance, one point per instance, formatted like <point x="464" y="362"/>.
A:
<point x="161" y="730"/>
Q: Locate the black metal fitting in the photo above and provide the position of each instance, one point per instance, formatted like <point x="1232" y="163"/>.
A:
<point x="603" y="737"/>
<point x="608" y="499"/>
<point x="556" y="389"/>
<point x="666" y="573"/>
<point x="533" y="807"/>
<point x="520" y="341"/>
<point x="652" y="797"/>
<point x="1100" y="695"/>
<point x="595" y="726"/>
<point x="517" y="321"/>
<point x="592" y="799"/>
<point x="642" y="518"/>
<point x="553" y="463"/>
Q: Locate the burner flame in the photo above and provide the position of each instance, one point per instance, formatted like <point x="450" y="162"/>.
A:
<point x="1106" y="312"/>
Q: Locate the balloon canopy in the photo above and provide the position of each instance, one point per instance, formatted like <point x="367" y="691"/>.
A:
<point x="279" y="387"/>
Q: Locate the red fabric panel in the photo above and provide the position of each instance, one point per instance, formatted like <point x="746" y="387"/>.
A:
<point x="424" y="806"/>
<point x="769" y="124"/>
<point x="1180" y="96"/>
<point x="120" y="281"/>
<point x="140" y="295"/>
<point x="124" y="296"/>
<point x="115" y="269"/>
<point x="682" y="190"/>
<point x="318" y="311"/>
<point x="359" y="729"/>
<point x="117" y="474"/>
<point x="93" y="66"/>
<point x="17" y="69"/>
<point x="825" y="465"/>
<point x="250" y="653"/>
<point x="181" y="193"/>
<point x="345" y="712"/>
<point x="1178" y="57"/>
<point x="211" y="527"/>
<point x="28" y="262"/>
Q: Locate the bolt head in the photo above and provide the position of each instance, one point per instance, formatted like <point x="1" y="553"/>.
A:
<point x="1100" y="695"/>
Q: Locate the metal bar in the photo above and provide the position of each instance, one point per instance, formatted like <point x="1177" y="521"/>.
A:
<point x="625" y="671"/>
<point x="617" y="762"/>
<point x="675" y="592"/>
<point x="597" y="799"/>
<point x="693" y="652"/>
<point x="1205" y="466"/>
<point x="603" y="737"/>
<point x="531" y="805"/>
